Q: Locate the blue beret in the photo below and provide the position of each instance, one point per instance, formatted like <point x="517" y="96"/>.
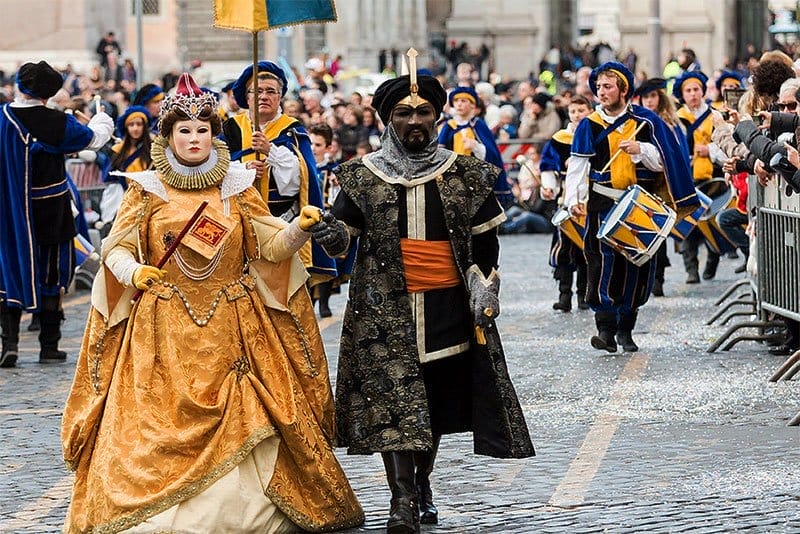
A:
<point x="241" y="83"/>
<point x="227" y="87"/>
<point x="128" y="112"/>
<point x="614" y="67"/>
<point x="696" y="74"/>
<point x="468" y="91"/>
<point x="147" y="93"/>
<point x="648" y="86"/>
<point x="728" y="75"/>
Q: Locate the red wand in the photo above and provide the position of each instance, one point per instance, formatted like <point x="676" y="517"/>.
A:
<point x="175" y="244"/>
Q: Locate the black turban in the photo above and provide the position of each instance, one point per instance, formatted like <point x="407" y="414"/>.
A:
<point x="390" y="92"/>
<point x="39" y="80"/>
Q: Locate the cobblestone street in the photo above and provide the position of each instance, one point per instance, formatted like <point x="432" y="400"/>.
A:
<point x="668" y="439"/>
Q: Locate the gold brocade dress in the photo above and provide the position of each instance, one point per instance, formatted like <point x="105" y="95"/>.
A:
<point x="217" y="371"/>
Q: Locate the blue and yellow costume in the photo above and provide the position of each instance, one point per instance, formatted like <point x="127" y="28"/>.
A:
<point x="566" y="256"/>
<point x="616" y="287"/>
<point x="476" y="129"/>
<point x="283" y="131"/>
<point x="699" y="129"/>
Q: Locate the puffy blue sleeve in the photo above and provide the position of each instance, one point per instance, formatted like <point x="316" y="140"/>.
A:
<point x="583" y="140"/>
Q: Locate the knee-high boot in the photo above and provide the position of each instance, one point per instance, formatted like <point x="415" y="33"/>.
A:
<point x="625" y="331"/>
<point x="428" y="513"/>
<point x="403" y="511"/>
<point x="606" y="329"/>
<point x="50" y="317"/>
<point x="9" y="321"/>
<point x="564" y="277"/>
<point x="580" y="288"/>
<point x="324" y="291"/>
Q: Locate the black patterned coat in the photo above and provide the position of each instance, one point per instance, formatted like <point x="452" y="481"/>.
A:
<point x="381" y="402"/>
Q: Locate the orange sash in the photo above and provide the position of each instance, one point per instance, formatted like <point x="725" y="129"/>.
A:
<point x="428" y="265"/>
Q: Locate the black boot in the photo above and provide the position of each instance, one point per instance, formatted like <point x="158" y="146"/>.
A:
<point x="712" y="262"/>
<point x="9" y="321"/>
<point x="34" y="325"/>
<point x="324" y="290"/>
<point x="690" y="263"/>
<point x="403" y="511"/>
<point x="49" y="336"/>
<point x="625" y="332"/>
<point x="564" y="277"/>
<point x="606" y="329"/>
<point x="581" y="288"/>
<point x="658" y="288"/>
<point x="428" y="513"/>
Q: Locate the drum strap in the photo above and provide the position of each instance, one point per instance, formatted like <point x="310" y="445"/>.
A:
<point x="609" y="192"/>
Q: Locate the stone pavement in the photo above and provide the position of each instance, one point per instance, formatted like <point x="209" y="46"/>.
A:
<point x="669" y="439"/>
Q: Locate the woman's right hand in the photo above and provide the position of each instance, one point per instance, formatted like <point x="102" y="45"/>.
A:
<point x="147" y="275"/>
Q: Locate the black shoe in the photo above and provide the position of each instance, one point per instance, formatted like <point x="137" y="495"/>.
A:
<point x="403" y="517"/>
<point x="564" y="302"/>
<point x="34" y="325"/>
<point x="52" y="356"/>
<point x="693" y="278"/>
<point x="658" y="288"/>
<point x="324" y="310"/>
<point x="626" y="341"/>
<point x="582" y="304"/>
<point x="604" y="341"/>
<point x="8" y="359"/>
<point x="741" y="268"/>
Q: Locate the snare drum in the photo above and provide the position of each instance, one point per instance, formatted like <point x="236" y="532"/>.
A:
<point x="637" y="225"/>
<point x="683" y="227"/>
<point x="721" y="195"/>
<point x="715" y="237"/>
<point x="570" y="226"/>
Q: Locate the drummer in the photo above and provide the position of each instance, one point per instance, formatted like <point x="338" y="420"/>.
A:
<point x="566" y="257"/>
<point x="620" y="145"/>
<point x="706" y="160"/>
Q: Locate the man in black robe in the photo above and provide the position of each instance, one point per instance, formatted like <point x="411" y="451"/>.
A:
<point x="420" y="355"/>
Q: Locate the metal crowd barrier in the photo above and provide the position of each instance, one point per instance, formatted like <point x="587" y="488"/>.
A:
<point x="89" y="181"/>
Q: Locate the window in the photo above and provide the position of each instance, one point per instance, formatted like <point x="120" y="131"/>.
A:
<point x="149" y="7"/>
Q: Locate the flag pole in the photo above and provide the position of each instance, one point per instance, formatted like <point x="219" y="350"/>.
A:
<point x="256" y="122"/>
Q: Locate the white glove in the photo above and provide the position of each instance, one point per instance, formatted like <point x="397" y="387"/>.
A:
<point x="103" y="126"/>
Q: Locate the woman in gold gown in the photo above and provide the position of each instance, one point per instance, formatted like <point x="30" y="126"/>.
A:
<point x="205" y="405"/>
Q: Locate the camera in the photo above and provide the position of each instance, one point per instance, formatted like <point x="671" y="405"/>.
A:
<point x="780" y="163"/>
<point x="758" y="120"/>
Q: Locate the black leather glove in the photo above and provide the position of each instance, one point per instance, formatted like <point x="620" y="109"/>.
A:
<point x="484" y="296"/>
<point x="331" y="234"/>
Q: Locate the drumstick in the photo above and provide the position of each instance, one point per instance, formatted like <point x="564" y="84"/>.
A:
<point x="619" y="150"/>
<point x="97" y="104"/>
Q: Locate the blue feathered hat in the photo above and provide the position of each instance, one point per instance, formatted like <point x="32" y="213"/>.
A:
<point x="241" y="83"/>
<point x="696" y="74"/>
<point x="616" y="68"/>
<point x="728" y="75"/>
<point x="466" y="91"/>
<point x="131" y="113"/>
